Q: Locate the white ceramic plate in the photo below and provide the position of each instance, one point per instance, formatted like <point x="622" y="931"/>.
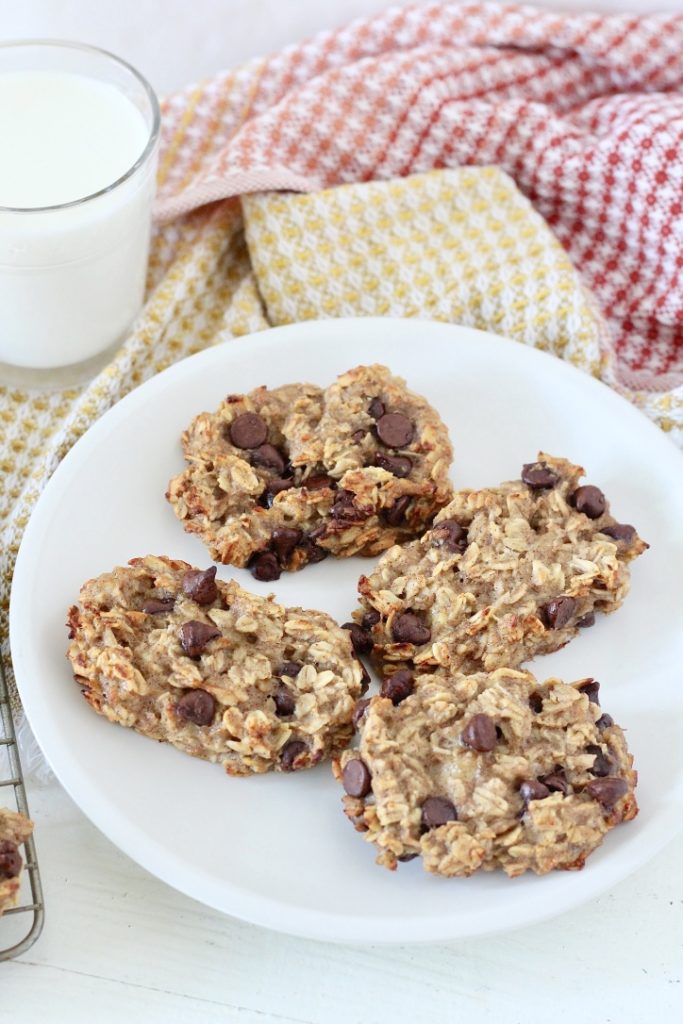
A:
<point x="277" y="850"/>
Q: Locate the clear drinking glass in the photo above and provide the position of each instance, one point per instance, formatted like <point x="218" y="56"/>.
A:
<point x="72" y="274"/>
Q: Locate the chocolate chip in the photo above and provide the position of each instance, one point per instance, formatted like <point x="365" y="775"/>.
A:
<point x="10" y="859"/>
<point x="536" y="703"/>
<point x="344" y="508"/>
<point x="395" y="430"/>
<point x="285" y="702"/>
<point x="365" y="677"/>
<point x="289" y="668"/>
<point x="449" y="534"/>
<point x="589" y="500"/>
<point x="556" y="781"/>
<point x="480" y="734"/>
<point x="408" y="628"/>
<point x="274" y="487"/>
<point x="264" y="567"/>
<point x="362" y="643"/>
<point x="291" y="752"/>
<point x="196" y="706"/>
<point x="620" y="531"/>
<point x="586" y="620"/>
<point x="318" y="481"/>
<point x="396" y="513"/>
<point x="201" y="586"/>
<point x="437" y="810"/>
<point x="358" y="435"/>
<point x="602" y="765"/>
<point x="370" y="618"/>
<point x="194" y="636"/>
<point x="359" y="711"/>
<point x="399" y="465"/>
<point x="248" y="430"/>
<point x="283" y="540"/>
<point x="376" y="409"/>
<point x="404" y="858"/>
<point x="532" y="789"/>
<point x="591" y="689"/>
<point x="605" y="721"/>
<point x="399" y="686"/>
<point x="539" y="476"/>
<point x="558" y="612"/>
<point x="356" y="778"/>
<point x="314" y="553"/>
<point x="158" y="605"/>
<point x="607" y="791"/>
<point x="269" y="457"/>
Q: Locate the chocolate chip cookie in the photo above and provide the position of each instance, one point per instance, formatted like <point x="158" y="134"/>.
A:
<point x="14" y="830"/>
<point x="280" y="478"/>
<point x="486" y="771"/>
<point x="180" y="656"/>
<point x="504" y="574"/>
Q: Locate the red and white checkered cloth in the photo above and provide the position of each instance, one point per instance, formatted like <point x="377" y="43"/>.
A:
<point x="585" y="113"/>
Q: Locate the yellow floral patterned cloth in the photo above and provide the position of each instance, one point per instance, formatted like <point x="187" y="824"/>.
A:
<point x="462" y="245"/>
<point x="459" y="245"/>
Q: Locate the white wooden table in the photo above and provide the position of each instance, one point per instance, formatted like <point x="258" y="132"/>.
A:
<point x="120" y="946"/>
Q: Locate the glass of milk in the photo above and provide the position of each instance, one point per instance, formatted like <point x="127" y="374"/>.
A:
<point x="79" y="133"/>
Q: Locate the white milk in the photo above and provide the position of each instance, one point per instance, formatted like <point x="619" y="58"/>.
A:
<point x="72" y="278"/>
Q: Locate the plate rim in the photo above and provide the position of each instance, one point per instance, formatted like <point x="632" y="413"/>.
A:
<point x="249" y="905"/>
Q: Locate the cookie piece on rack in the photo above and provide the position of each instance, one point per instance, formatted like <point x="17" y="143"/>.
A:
<point x="222" y="674"/>
<point x="504" y="574"/>
<point x="14" y="830"/>
<point x="487" y="771"/>
<point x="280" y="478"/>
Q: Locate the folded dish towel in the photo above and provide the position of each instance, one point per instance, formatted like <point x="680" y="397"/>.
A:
<point x="485" y="153"/>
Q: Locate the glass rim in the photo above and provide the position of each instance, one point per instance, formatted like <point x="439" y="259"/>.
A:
<point x="67" y="44"/>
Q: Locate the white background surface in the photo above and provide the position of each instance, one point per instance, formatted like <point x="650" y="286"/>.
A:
<point x="118" y="945"/>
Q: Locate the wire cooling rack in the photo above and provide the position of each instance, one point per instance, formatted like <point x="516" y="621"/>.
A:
<point x="21" y="925"/>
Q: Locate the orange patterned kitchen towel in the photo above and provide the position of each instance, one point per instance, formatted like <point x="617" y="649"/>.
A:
<point x="584" y="112"/>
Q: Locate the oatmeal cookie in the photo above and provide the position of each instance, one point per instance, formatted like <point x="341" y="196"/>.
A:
<point x="14" y="830"/>
<point x="174" y="653"/>
<point x="283" y="477"/>
<point x="504" y="574"/>
<point x="486" y="771"/>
